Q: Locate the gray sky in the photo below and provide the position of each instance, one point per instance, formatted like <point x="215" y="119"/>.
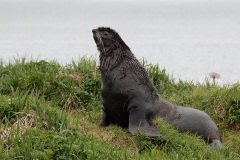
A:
<point x="159" y="30"/>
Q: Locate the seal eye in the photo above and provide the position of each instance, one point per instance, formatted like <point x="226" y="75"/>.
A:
<point x="116" y="44"/>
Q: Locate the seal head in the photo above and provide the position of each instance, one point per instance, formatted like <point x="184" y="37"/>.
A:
<point x="108" y="40"/>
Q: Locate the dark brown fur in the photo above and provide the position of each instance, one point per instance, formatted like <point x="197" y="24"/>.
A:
<point x="130" y="100"/>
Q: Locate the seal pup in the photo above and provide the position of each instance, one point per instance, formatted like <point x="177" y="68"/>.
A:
<point x="130" y="100"/>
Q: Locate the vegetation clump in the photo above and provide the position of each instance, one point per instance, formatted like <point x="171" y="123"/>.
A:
<point x="51" y="111"/>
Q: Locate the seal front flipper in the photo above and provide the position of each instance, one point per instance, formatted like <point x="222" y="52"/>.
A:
<point x="150" y="131"/>
<point x="105" y="120"/>
<point x="138" y="123"/>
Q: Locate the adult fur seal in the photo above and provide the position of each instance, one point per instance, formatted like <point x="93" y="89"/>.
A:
<point x="130" y="100"/>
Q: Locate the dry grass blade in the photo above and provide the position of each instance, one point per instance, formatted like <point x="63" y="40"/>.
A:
<point x="23" y="124"/>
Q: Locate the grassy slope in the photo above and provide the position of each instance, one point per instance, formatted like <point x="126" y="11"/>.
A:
<point x="54" y="111"/>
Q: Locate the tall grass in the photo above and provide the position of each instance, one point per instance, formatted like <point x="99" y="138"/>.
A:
<point x="65" y="107"/>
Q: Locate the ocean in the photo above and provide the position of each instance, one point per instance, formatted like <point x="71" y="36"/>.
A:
<point x="189" y="39"/>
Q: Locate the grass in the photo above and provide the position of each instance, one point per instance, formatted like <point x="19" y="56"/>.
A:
<point x="50" y="111"/>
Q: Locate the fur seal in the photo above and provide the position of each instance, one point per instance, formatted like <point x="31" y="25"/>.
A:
<point x="129" y="98"/>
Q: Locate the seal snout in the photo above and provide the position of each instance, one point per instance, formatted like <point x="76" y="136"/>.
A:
<point x="95" y="35"/>
<point x="94" y="31"/>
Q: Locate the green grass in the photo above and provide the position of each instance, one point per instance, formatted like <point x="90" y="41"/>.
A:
<point x="61" y="108"/>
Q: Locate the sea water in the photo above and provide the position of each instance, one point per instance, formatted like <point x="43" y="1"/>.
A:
<point x="188" y="38"/>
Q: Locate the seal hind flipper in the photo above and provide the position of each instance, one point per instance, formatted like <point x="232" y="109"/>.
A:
<point x="215" y="144"/>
